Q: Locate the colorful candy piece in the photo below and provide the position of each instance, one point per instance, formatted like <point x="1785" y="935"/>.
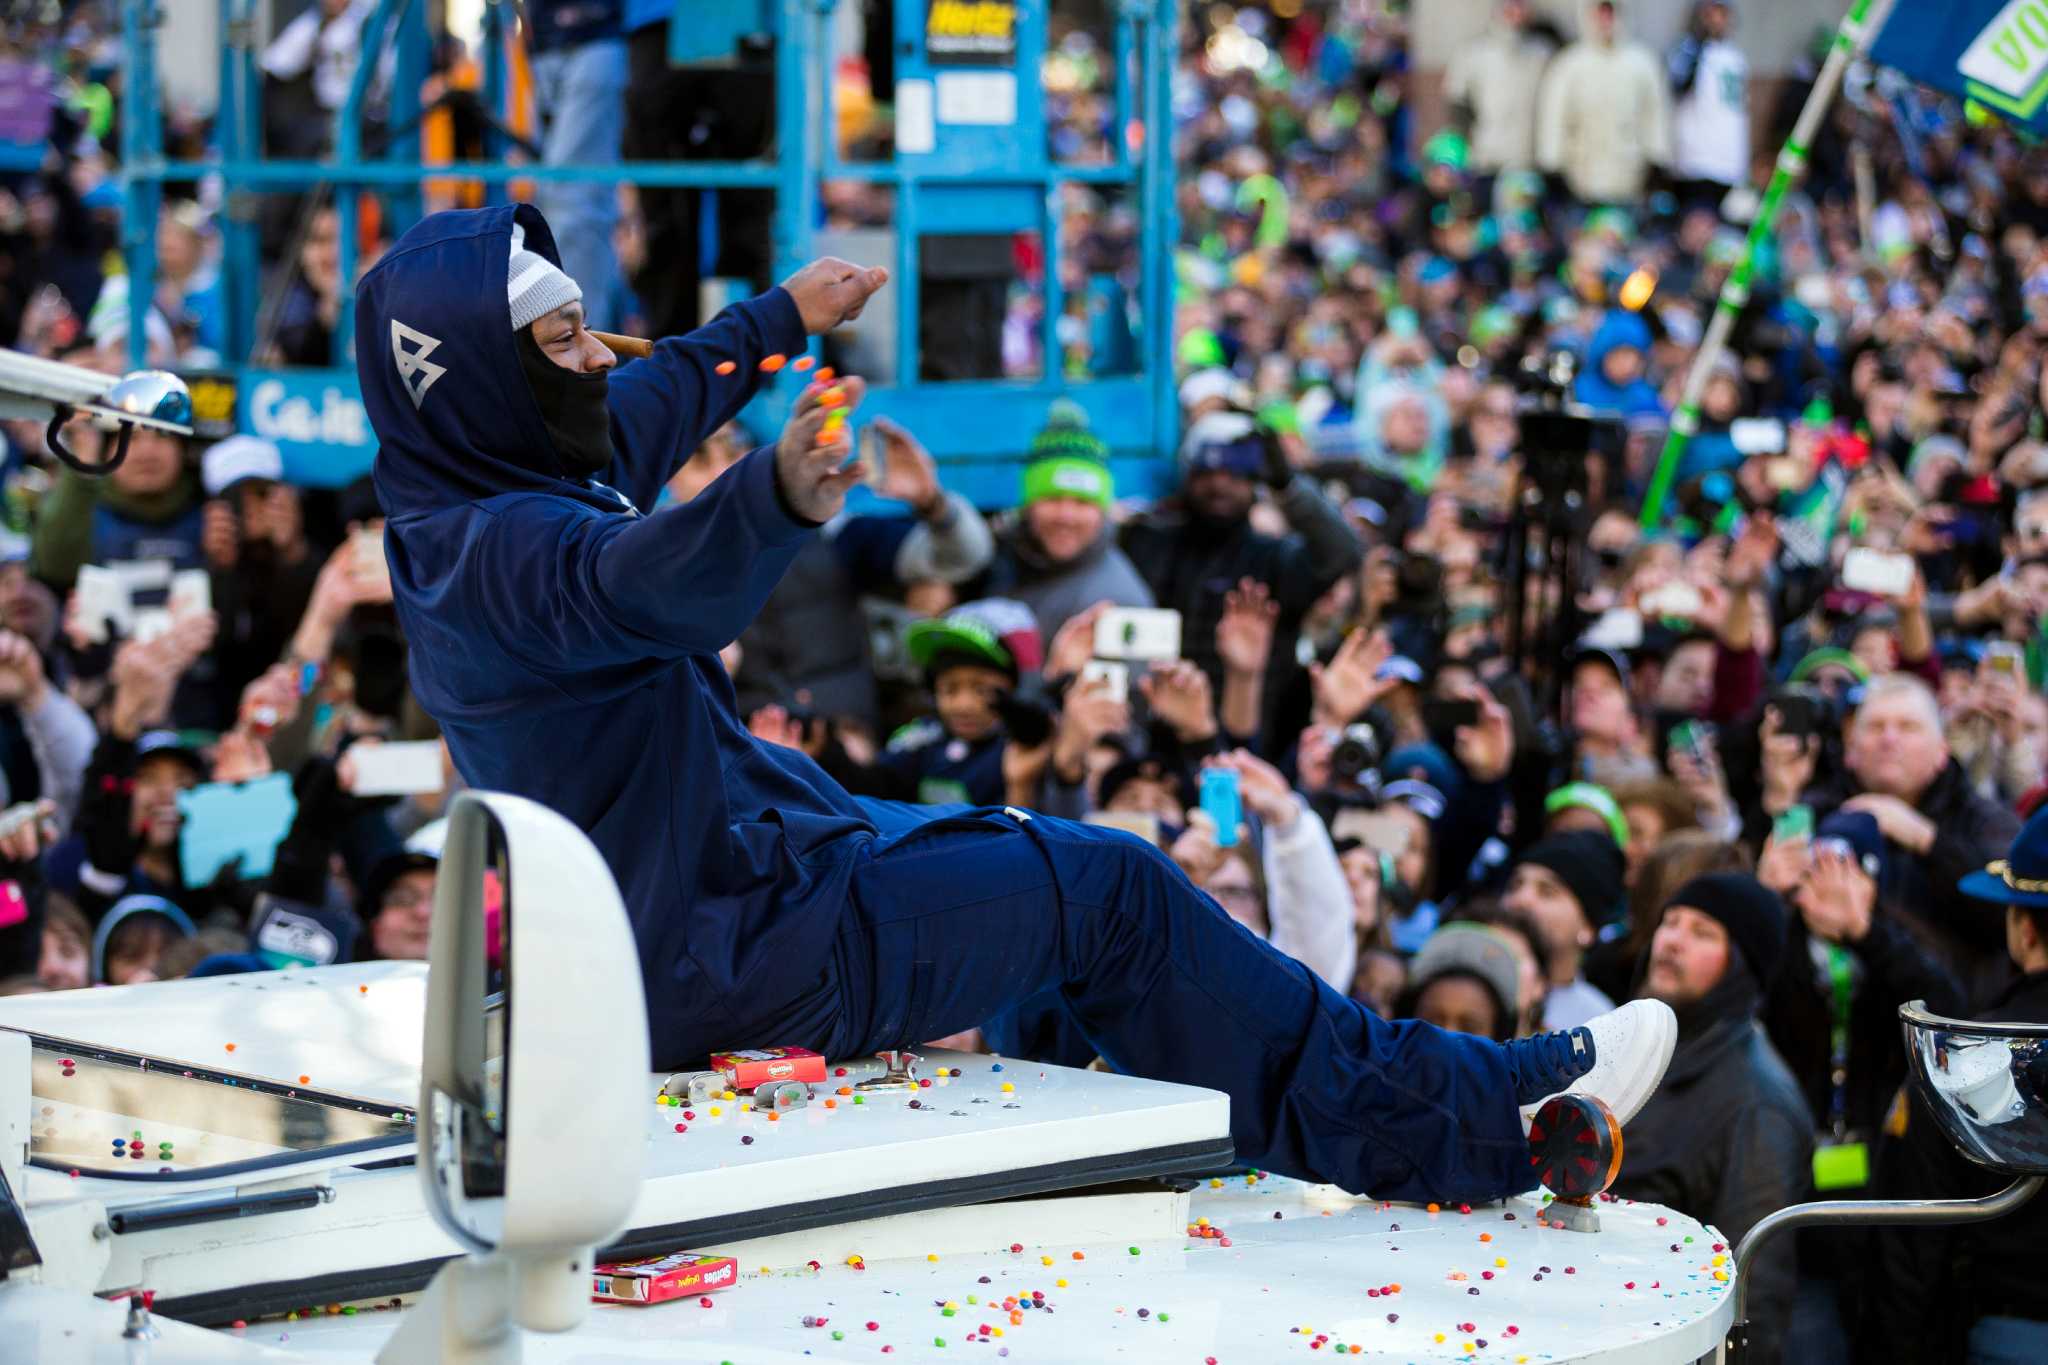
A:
<point x="802" y="363"/>
<point x="771" y="363"/>
<point x="727" y="366"/>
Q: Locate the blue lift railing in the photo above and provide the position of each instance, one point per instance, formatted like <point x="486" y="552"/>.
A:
<point x="992" y="178"/>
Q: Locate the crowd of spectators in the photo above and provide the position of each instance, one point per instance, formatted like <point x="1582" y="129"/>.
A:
<point x="1800" y="708"/>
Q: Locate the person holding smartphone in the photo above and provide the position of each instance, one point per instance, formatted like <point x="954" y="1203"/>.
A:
<point x="1995" y="732"/>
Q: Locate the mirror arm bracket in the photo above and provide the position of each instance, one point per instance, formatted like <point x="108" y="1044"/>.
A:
<point x="53" y="436"/>
<point x="1865" y="1213"/>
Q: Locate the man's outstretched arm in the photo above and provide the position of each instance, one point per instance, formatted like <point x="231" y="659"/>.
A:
<point x="665" y="406"/>
<point x="599" y="591"/>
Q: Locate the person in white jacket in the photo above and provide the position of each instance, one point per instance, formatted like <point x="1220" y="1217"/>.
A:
<point x="1492" y="83"/>
<point x="1604" y="117"/>
<point x="1297" y="898"/>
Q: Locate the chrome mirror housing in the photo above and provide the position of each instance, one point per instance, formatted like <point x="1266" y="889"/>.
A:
<point x="1986" y="1085"/>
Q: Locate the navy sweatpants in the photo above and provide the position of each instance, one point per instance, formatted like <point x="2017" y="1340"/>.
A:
<point x="959" y="918"/>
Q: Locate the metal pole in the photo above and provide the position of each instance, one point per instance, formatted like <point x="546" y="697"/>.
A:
<point x="411" y="43"/>
<point x="494" y="77"/>
<point x="803" y="132"/>
<point x="1861" y="1213"/>
<point x="1162" y="220"/>
<point x="239" y="126"/>
<point x="141" y="168"/>
<point x="907" y="19"/>
<point x="348" y="154"/>
<point x="1859" y="26"/>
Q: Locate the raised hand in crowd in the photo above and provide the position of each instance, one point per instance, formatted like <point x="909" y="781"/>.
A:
<point x="1312" y="758"/>
<point x="26" y="833"/>
<point x="1244" y="633"/>
<point x="1789" y="763"/>
<point x="239" y="756"/>
<point x="345" y="583"/>
<point x="22" y="681"/>
<point x="1073" y="644"/>
<point x="1196" y="850"/>
<point x="774" y="724"/>
<point x="1179" y="694"/>
<point x="1244" y="642"/>
<point x="1347" y="686"/>
<point x="909" y="473"/>
<point x="1836" y="898"/>
<point x="1024" y="770"/>
<point x="276" y="518"/>
<point x="146" y="673"/>
<point x="1264" y="791"/>
<point x="1092" y="713"/>
<point x="270" y="701"/>
<point x="220" y="535"/>
<point x="1783" y="864"/>
<point x="1485" y="750"/>
<point x="1748" y="561"/>
<point x="1705" y="781"/>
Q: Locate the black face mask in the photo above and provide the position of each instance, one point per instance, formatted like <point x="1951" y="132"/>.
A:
<point x="572" y="406"/>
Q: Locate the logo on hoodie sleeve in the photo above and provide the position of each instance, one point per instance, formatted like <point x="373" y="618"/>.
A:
<point x="415" y="371"/>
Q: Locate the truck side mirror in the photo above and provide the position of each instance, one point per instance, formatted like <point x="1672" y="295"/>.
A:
<point x="535" y="1063"/>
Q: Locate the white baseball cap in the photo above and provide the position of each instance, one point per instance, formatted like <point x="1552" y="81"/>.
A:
<point x="229" y="462"/>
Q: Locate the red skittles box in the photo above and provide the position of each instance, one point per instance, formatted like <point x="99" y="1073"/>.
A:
<point x="661" y="1278"/>
<point x="762" y="1065"/>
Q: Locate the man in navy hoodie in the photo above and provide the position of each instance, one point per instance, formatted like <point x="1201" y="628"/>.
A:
<point x="567" y="641"/>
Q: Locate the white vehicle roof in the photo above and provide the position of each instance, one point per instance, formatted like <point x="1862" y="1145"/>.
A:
<point x="930" y="1199"/>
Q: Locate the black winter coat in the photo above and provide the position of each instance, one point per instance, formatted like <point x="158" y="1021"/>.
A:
<point x="1190" y="566"/>
<point x="1727" y="1139"/>
<point x="810" y="637"/>
<point x="1798" y="1015"/>
<point x="1967" y="935"/>
<point x="1928" y="1284"/>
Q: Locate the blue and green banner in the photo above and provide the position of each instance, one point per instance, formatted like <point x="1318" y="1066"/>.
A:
<point x="1995" y="54"/>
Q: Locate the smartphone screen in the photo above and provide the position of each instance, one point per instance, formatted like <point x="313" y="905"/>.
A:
<point x="1446" y="718"/>
<point x="1795" y="823"/>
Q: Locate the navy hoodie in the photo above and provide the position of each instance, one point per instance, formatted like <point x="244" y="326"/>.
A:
<point x="568" y="642"/>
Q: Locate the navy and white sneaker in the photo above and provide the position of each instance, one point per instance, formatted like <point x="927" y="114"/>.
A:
<point x="1618" y="1059"/>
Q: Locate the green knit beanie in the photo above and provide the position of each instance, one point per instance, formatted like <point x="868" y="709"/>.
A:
<point x="1067" y="460"/>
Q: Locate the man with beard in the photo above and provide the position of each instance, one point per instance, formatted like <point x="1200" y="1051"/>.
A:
<point x="1059" y="556"/>
<point x="1728" y="1139"/>
<point x="1199" y="546"/>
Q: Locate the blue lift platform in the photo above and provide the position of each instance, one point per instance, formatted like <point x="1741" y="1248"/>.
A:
<point x="971" y="156"/>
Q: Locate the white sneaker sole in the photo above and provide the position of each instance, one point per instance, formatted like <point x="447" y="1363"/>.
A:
<point x="1632" y="1048"/>
<point x="1649" y="1028"/>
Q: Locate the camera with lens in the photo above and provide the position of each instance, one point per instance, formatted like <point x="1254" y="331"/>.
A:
<point x="1357" y="752"/>
<point x="1556" y="436"/>
<point x="1362" y="747"/>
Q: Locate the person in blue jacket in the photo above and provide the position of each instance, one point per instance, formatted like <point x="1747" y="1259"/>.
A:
<point x="1612" y="380"/>
<point x="567" y="642"/>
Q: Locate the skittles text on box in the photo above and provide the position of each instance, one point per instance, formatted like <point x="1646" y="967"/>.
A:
<point x="759" y="1066"/>
<point x="661" y="1278"/>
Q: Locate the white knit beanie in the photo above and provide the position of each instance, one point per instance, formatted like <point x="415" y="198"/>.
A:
<point x="535" y="285"/>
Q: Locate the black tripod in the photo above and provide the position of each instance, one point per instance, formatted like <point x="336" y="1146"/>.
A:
<point x="1544" y="548"/>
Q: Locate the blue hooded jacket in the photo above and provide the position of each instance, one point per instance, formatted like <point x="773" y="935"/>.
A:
<point x="568" y="643"/>
<point x="1595" y="390"/>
